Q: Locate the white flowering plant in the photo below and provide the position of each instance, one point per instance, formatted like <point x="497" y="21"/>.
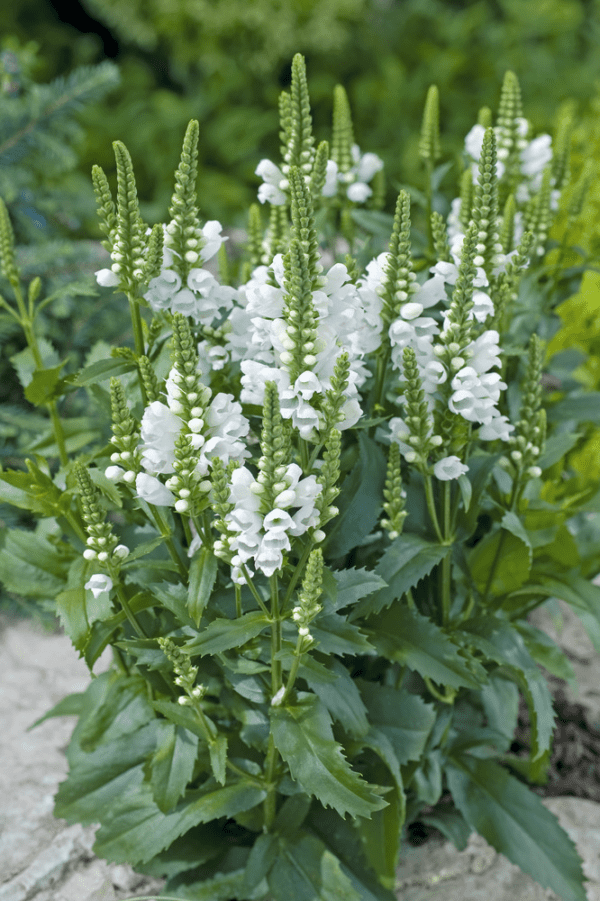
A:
<point x="315" y="503"/>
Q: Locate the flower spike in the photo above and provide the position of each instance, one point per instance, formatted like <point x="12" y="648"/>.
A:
<point x="429" y="143"/>
<point x="184" y="234"/>
<point x="343" y="132"/>
<point x="107" y="211"/>
<point x="399" y="277"/>
<point x="128" y="249"/>
<point x="394" y="495"/>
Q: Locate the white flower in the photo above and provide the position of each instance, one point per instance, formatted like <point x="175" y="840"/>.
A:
<point x="152" y="490"/>
<point x="159" y="428"/>
<point x="212" y="239"/>
<point x="358" y="192"/>
<point x="536" y="156"/>
<point x="99" y="584"/>
<point x="114" y="473"/>
<point x="331" y="179"/>
<point x="106" y="278"/>
<point x="449" y="468"/>
<point x="497" y="427"/>
<point x="274" y="183"/>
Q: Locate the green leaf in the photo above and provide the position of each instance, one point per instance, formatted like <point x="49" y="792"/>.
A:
<point x="218" y="758"/>
<point x="583" y="596"/>
<point x="72" y="705"/>
<point x="341" y="697"/>
<point x="25" y="363"/>
<point x="381" y="835"/>
<point x="306" y="870"/>
<point x="31" y="566"/>
<point x="546" y="652"/>
<point x="203" y="574"/>
<point x="556" y="447"/>
<point x="303" y="736"/>
<point x="174" y="598"/>
<point x="171" y="766"/>
<point x="98" y="780"/>
<point x="221" y="887"/>
<point x="504" y="644"/>
<point x="353" y="584"/>
<point x="333" y="634"/>
<point x="359" y="501"/>
<point x="260" y="860"/>
<point x="102" y="371"/>
<point x="450" y="823"/>
<point x="500" y="700"/>
<point x="509" y="556"/>
<point x="124" y="710"/>
<point x="402" y="634"/>
<point x="136" y="830"/>
<point x="71" y="610"/>
<point x="180" y="716"/>
<point x="480" y="471"/>
<point x="516" y="823"/>
<point x="403" y="565"/>
<point x="45" y="385"/>
<point x="404" y="718"/>
<point x="223" y="634"/>
<point x="577" y="408"/>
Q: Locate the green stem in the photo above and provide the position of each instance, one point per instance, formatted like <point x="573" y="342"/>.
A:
<point x="165" y="531"/>
<point x="137" y="627"/>
<point x="431" y="508"/>
<point x="255" y="593"/>
<point x="447" y="561"/>
<point x="297" y="573"/>
<point x="276" y="682"/>
<point x="446" y="698"/>
<point x="138" y="339"/>
<point x="238" y="600"/>
<point x="500" y="547"/>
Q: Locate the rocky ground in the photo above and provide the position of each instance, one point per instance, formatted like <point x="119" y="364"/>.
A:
<point x="43" y="859"/>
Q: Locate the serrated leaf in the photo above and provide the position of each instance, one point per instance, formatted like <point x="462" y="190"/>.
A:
<point x="45" y="385"/>
<point x="306" y="870"/>
<point x="403" y="635"/>
<point x="450" y="823"/>
<point x="516" y="823"/>
<point x="31" y="566"/>
<point x="583" y="596"/>
<point x="218" y="758"/>
<point x="180" y="716"/>
<point x="407" y="560"/>
<point x="172" y="764"/>
<point x="333" y="634"/>
<point x="136" y="830"/>
<point x="260" y="860"/>
<point x="223" y="634"/>
<point x="304" y="738"/>
<point x="353" y="584"/>
<point x="203" y="574"/>
<point x="509" y="556"/>
<point x="124" y="710"/>
<point x="500" y="700"/>
<point x="404" y="718"/>
<point x="381" y="835"/>
<point x="71" y="610"/>
<point x="546" y="652"/>
<point x="359" y="501"/>
<point x="221" y="887"/>
<point x="174" y="598"/>
<point x="101" y="371"/>
<point x="25" y="363"/>
<point x="72" y="705"/>
<point x="504" y="644"/>
<point x="341" y="697"/>
<point x="99" y="779"/>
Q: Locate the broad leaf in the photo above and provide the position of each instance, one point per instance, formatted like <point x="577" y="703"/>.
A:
<point x="360" y="499"/>
<point x="218" y="758"/>
<point x="304" y="738"/>
<point x="583" y="596"/>
<point x="45" y="385"/>
<point x="381" y="834"/>
<point x="135" y="830"/>
<point x="404" y="718"/>
<point x="203" y="574"/>
<point x="333" y="634"/>
<point x="504" y="555"/>
<point x="408" y="559"/>
<point x="171" y="766"/>
<point x="305" y="870"/>
<point x="350" y="585"/>
<point x="403" y="635"/>
<point x="31" y="566"/>
<point x="516" y="823"/>
<point x="545" y="651"/>
<point x="341" y="698"/>
<point x="102" y="371"/>
<point x="223" y="634"/>
<point x="124" y="710"/>
<point x="503" y="643"/>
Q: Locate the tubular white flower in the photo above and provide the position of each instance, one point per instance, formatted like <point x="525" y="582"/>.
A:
<point x="449" y="468"/>
<point x="212" y="239"/>
<point x="159" y="428"/>
<point x="99" y="584"/>
<point x="106" y="278"/>
<point x="152" y="490"/>
<point x="273" y="185"/>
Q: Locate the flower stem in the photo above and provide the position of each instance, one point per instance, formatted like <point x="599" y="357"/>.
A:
<point x="164" y="530"/>
<point x="447" y="561"/>
<point x="431" y="508"/>
<point x="138" y="339"/>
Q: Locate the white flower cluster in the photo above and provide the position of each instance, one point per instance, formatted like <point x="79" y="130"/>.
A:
<point x="264" y="536"/>
<point x="355" y="181"/>
<point x="202" y="298"/>
<point x="216" y="432"/>
<point x="259" y="338"/>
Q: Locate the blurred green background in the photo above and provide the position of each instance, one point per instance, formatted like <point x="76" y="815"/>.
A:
<point x="225" y="62"/>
